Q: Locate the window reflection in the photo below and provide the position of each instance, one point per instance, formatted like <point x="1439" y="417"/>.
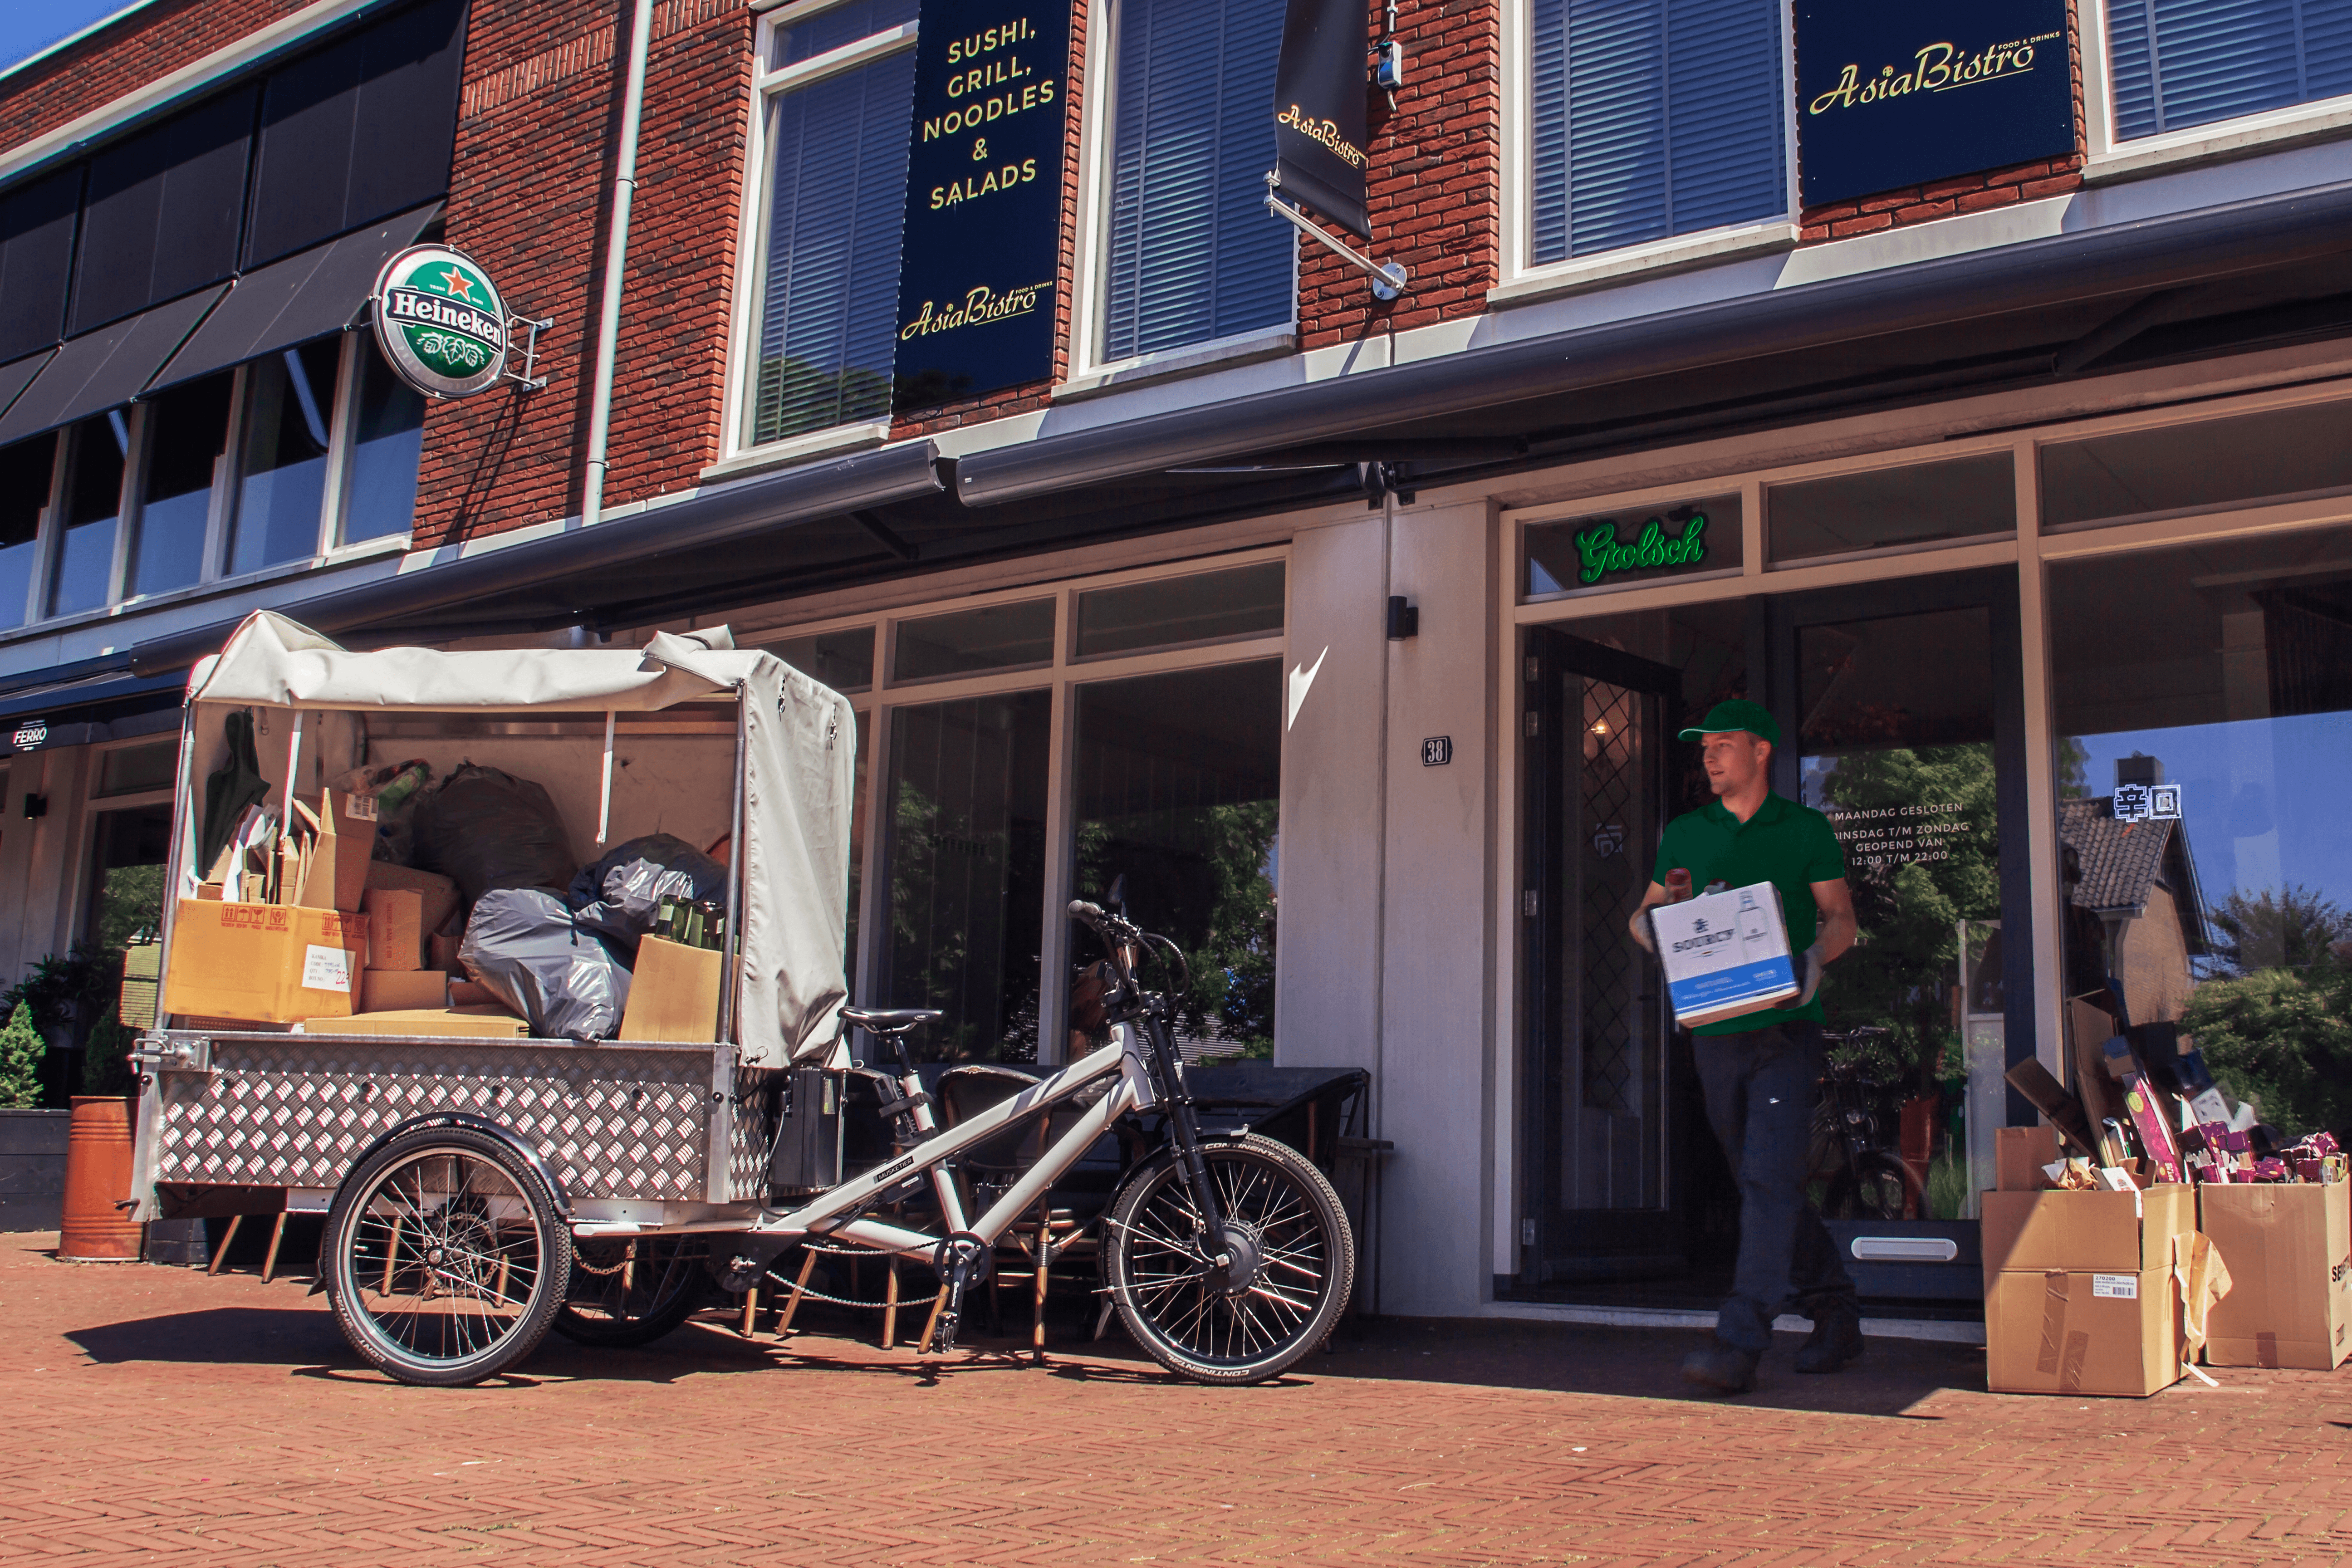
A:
<point x="187" y="431"/>
<point x="967" y="872"/>
<point x="25" y="470"/>
<point x="387" y="443"/>
<point x="93" y="504"/>
<point x="1177" y="787"/>
<point x="288" y="414"/>
<point x="2203" y="699"/>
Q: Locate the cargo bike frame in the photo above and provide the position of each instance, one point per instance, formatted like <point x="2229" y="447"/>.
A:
<point x="479" y="1192"/>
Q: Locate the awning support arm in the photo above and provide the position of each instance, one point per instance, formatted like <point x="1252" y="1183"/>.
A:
<point x="1387" y="277"/>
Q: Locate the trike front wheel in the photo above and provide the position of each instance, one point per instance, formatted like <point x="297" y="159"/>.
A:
<point x="1282" y="1283"/>
<point x="446" y="1259"/>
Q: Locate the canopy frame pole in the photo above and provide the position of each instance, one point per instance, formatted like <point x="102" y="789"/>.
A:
<point x="605" y="796"/>
<point x="731" y="977"/>
<point x="293" y="765"/>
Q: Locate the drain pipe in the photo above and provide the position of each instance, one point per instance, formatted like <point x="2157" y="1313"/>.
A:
<point x="616" y="259"/>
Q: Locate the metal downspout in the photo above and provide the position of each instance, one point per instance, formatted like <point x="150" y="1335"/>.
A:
<point x="617" y="260"/>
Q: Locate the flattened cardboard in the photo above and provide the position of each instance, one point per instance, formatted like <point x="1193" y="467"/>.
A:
<point x="2082" y="1332"/>
<point x="336" y="870"/>
<point x="2018" y="1155"/>
<point x="461" y="1023"/>
<point x="2090" y="1027"/>
<point x="2290" y="1301"/>
<point x="403" y="990"/>
<point x="2094" y="1232"/>
<point x="674" y="994"/>
<point x="438" y="893"/>
<point x="265" y="963"/>
<point x="395" y="927"/>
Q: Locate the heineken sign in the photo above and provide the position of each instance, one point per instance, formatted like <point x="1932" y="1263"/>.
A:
<point x="440" y="322"/>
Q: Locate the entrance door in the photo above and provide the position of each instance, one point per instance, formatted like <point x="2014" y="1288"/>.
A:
<point x="1602" y="1162"/>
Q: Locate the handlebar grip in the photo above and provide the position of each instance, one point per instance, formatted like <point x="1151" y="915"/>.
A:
<point x="1082" y="910"/>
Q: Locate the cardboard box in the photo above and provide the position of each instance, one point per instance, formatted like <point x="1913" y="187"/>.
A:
<point x="463" y="1022"/>
<point x="2082" y="1332"/>
<point x="438" y="893"/>
<point x="674" y="994"/>
<point x="2018" y="1155"/>
<point x="1725" y="954"/>
<point x="266" y="962"/>
<point x="395" y="927"/>
<point x="334" y="874"/>
<point x="2290" y="1301"/>
<point x="2106" y="1233"/>
<point x="399" y="990"/>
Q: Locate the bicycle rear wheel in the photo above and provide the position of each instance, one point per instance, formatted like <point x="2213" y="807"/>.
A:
<point x="1290" y="1266"/>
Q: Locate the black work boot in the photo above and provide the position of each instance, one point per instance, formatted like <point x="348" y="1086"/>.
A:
<point x="1836" y="1338"/>
<point x="1721" y="1368"/>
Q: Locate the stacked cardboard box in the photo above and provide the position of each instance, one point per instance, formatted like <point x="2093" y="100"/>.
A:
<point x="2079" y="1294"/>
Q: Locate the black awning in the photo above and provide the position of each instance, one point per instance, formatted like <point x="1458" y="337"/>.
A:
<point x="102" y="699"/>
<point x="15" y="378"/>
<point x="104" y="369"/>
<point x="319" y="291"/>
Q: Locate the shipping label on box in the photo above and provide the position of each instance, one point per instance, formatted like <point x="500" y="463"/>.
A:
<point x="1725" y="954"/>
<point x="264" y="963"/>
<point x="2290" y="1301"/>
<point x="2065" y="1332"/>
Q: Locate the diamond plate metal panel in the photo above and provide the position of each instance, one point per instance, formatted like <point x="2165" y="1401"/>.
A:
<point x="747" y="1149"/>
<point x="296" y="1111"/>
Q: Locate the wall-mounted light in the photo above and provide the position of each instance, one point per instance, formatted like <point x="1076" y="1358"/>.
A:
<point x="1404" y="618"/>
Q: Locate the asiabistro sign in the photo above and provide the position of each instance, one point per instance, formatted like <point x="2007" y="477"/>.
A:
<point x="441" y="322"/>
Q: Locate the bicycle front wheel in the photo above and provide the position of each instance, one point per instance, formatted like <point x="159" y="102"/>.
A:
<point x="1283" y="1281"/>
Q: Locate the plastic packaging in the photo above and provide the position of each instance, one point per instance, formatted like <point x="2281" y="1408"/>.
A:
<point x="621" y="895"/>
<point x="392" y="791"/>
<point x="487" y="829"/>
<point x="524" y="945"/>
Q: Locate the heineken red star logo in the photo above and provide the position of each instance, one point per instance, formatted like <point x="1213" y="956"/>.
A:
<point x="440" y="321"/>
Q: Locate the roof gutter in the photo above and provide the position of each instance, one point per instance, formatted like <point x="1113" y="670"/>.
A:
<point x="617" y="260"/>
<point x="738" y="512"/>
<point x="2127" y="260"/>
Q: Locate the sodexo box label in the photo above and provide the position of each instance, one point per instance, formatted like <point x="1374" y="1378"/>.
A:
<point x="1724" y="953"/>
<point x="440" y="321"/>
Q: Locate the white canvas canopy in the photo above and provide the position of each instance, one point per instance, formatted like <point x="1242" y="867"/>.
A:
<point x="798" y="774"/>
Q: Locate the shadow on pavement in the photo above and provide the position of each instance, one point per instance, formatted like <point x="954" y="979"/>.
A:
<point x="1892" y="1376"/>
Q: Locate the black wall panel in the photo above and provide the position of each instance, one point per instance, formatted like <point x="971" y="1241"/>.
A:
<point x="163" y="210"/>
<point x="358" y="131"/>
<point x="36" y="234"/>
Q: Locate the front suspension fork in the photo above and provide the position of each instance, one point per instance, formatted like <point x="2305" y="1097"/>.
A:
<point x="1167" y="1080"/>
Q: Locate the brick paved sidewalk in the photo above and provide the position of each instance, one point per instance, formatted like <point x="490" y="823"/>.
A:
<point x="156" y="1415"/>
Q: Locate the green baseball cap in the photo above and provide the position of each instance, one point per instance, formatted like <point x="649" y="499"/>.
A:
<point x="1736" y="714"/>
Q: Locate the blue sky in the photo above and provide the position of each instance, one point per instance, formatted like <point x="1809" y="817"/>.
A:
<point x="29" y="26"/>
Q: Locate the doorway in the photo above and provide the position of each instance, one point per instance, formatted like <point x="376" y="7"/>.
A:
<point x="1901" y="709"/>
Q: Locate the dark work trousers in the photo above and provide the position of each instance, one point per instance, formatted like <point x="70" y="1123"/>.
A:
<point x="1761" y="1087"/>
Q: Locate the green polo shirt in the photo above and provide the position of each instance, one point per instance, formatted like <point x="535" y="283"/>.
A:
<point x="1790" y="846"/>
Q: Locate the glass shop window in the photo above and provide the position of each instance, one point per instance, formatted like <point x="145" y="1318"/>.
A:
<point x="1845" y="514"/>
<point x="1180" y="611"/>
<point x="965" y="869"/>
<point x="1179" y="779"/>
<point x="289" y="414"/>
<point x="1639" y="545"/>
<point x="971" y="642"/>
<point x="187" y="432"/>
<point x="2204" y="705"/>
<point x="93" y="507"/>
<point x="842" y="660"/>
<point x="387" y="447"/>
<point x="25" y="472"/>
<point x="135" y="769"/>
<point x="2279" y="454"/>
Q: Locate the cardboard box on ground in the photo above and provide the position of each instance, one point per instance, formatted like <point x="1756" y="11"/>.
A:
<point x="2080" y="1295"/>
<point x="2289" y="1251"/>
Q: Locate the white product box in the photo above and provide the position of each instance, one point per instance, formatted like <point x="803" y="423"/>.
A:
<point x="1724" y="953"/>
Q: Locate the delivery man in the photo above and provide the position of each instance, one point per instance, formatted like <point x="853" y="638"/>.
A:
<point x="1761" y="1071"/>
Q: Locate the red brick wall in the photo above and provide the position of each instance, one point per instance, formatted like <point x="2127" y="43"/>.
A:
<point x="1963" y="193"/>
<point x="532" y="173"/>
<point x="1434" y="182"/>
<point x="128" y="56"/>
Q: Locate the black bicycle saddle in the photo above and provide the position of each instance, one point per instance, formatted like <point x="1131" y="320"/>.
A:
<point x="890" y="1020"/>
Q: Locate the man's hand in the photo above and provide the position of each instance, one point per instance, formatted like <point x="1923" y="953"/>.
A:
<point x="1640" y="924"/>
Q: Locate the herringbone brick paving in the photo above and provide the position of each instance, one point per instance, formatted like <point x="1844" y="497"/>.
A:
<point x="157" y="1416"/>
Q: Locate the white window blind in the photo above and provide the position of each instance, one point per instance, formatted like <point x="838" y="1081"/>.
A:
<point x="1654" y="118"/>
<point x="1194" y="255"/>
<point x="836" y="206"/>
<point x="2177" y="63"/>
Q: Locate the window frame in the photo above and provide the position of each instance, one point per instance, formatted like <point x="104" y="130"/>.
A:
<point x="876" y="706"/>
<point x="1524" y="278"/>
<point x="2245" y="135"/>
<point x="736" y="449"/>
<point x="334" y="512"/>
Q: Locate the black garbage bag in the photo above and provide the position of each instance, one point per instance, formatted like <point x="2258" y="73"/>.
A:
<point x="484" y="829"/>
<point x="523" y="943"/>
<point x="620" y="895"/>
<point x="227" y="792"/>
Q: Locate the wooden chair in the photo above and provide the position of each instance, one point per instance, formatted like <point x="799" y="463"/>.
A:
<point x="1027" y="1253"/>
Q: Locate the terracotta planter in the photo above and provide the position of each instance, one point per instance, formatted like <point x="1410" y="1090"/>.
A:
<point x="98" y="1178"/>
